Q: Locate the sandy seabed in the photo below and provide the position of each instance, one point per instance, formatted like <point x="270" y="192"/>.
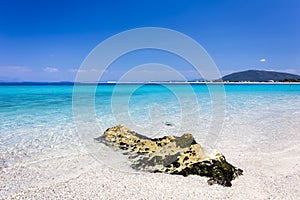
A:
<point x="74" y="174"/>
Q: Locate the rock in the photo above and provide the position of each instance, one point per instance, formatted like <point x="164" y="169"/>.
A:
<point x="169" y="124"/>
<point x="171" y="154"/>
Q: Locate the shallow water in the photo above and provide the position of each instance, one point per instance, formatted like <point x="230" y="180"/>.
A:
<point x="36" y="119"/>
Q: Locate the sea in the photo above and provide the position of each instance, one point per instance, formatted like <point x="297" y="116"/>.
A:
<point x="36" y="119"/>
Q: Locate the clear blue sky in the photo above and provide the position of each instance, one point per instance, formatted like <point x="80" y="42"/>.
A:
<point x="48" y="40"/>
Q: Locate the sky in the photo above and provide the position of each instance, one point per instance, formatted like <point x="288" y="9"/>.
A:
<point x="48" y="40"/>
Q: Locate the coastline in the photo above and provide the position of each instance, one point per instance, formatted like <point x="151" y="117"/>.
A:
<point x="142" y="83"/>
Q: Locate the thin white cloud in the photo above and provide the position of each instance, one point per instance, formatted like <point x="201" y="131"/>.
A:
<point x="263" y="60"/>
<point x="152" y="72"/>
<point x="15" y="69"/>
<point x="72" y="70"/>
<point x="77" y="70"/>
<point x="93" y="70"/>
<point x="51" y="69"/>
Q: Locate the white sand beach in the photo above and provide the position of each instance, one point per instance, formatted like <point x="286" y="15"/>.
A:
<point x="73" y="174"/>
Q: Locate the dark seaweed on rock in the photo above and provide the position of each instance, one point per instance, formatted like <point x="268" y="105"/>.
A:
<point x="171" y="154"/>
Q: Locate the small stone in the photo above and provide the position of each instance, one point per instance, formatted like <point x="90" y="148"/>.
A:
<point x="211" y="182"/>
<point x="169" y="124"/>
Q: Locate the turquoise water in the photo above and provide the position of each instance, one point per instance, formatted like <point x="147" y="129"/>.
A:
<point x="36" y="119"/>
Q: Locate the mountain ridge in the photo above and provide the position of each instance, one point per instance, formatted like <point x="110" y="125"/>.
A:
<point x="260" y="76"/>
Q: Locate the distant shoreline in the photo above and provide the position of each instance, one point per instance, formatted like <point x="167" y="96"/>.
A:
<point x="148" y="83"/>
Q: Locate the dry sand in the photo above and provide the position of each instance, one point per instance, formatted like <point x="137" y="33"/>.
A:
<point x="74" y="174"/>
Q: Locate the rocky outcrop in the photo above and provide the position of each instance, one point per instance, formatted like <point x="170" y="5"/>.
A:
<point x="170" y="154"/>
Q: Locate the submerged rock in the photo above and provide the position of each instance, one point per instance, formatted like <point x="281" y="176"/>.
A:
<point x="169" y="124"/>
<point x="171" y="154"/>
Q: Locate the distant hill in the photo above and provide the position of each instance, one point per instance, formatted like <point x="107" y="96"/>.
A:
<point x="260" y="75"/>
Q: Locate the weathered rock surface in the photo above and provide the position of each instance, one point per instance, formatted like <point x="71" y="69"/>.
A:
<point x="171" y="154"/>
